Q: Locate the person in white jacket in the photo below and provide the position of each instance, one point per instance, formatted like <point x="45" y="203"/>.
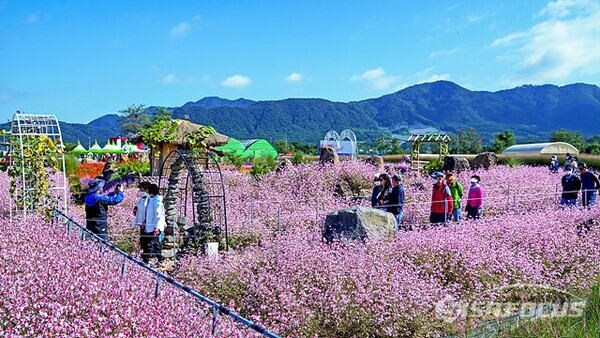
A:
<point x="139" y="211"/>
<point x="154" y="226"/>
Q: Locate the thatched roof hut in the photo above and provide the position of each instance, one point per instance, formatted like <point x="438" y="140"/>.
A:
<point x="184" y="127"/>
<point x="160" y="151"/>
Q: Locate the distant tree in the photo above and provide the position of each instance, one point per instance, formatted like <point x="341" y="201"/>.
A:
<point x="282" y="146"/>
<point x="468" y="141"/>
<point x="593" y="148"/>
<point x="388" y="145"/>
<point x="133" y="118"/>
<point x="575" y="138"/>
<point x="503" y="140"/>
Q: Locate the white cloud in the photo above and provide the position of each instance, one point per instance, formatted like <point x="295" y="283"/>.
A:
<point x="180" y="30"/>
<point x="443" y="52"/>
<point x="563" y="44"/>
<point x="294" y="77"/>
<point x="377" y="78"/>
<point x="236" y="81"/>
<point x="169" y="79"/>
<point x="474" y="18"/>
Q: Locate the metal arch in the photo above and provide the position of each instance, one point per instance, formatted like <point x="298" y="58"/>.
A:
<point x="332" y="135"/>
<point x="24" y="125"/>
<point x="203" y="186"/>
<point x="349" y="134"/>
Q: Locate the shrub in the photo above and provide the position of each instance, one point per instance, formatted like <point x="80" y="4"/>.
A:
<point x="299" y="158"/>
<point x="514" y="162"/>
<point x="262" y="166"/>
<point x="133" y="167"/>
<point x="433" y="166"/>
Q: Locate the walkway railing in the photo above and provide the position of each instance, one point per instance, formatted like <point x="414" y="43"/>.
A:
<point x="59" y="217"/>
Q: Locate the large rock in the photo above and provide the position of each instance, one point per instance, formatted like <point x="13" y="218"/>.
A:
<point x="329" y="155"/>
<point x="376" y="161"/>
<point x="455" y="164"/>
<point x="484" y="160"/>
<point x="359" y="223"/>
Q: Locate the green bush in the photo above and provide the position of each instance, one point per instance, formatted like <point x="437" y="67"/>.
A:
<point x="514" y="162"/>
<point x="262" y="166"/>
<point x="234" y="159"/>
<point x="299" y="158"/>
<point x="433" y="166"/>
<point x="132" y="167"/>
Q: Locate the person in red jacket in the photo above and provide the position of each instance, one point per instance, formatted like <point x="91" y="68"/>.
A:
<point x="441" y="200"/>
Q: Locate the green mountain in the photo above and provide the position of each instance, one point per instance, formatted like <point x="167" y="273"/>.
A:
<point x="532" y="112"/>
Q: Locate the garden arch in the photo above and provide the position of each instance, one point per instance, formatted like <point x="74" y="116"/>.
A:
<point x="194" y="198"/>
<point x="36" y="166"/>
<point x="417" y="139"/>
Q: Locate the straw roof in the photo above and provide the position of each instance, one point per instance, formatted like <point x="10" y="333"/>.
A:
<point x="185" y="126"/>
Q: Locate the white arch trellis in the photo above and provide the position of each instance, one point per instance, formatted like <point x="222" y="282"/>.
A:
<point x="346" y="134"/>
<point x="36" y="125"/>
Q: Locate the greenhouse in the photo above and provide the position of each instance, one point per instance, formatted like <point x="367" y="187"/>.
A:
<point x="258" y="149"/>
<point x="233" y="147"/>
<point x="549" y="148"/>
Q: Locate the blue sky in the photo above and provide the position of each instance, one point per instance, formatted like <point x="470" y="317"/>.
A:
<point x="83" y="59"/>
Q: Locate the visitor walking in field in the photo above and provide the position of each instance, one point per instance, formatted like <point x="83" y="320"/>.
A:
<point x="442" y="204"/>
<point x="396" y="199"/>
<point x="474" y="199"/>
<point x="456" y="190"/>
<point x="590" y="184"/>
<point x="155" y="226"/>
<point x="571" y="184"/>
<point x="376" y="191"/>
<point x="96" y="206"/>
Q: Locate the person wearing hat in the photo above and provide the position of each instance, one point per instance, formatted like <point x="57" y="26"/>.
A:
<point x="441" y="200"/>
<point x="571" y="185"/>
<point x="376" y="191"/>
<point x="590" y="184"/>
<point x="396" y="199"/>
<point x="456" y="190"/>
<point x="474" y="199"/>
<point x="96" y="206"/>
<point x="554" y="164"/>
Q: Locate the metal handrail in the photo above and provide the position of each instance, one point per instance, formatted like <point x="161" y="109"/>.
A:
<point x="218" y="308"/>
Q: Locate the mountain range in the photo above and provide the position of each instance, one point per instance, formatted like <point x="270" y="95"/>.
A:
<point x="531" y="112"/>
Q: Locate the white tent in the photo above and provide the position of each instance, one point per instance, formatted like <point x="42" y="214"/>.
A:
<point x="549" y="148"/>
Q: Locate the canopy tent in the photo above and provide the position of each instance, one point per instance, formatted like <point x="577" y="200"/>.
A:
<point x="234" y="147"/>
<point x="96" y="149"/>
<point x="79" y="149"/>
<point x="259" y="149"/>
<point x="111" y="148"/>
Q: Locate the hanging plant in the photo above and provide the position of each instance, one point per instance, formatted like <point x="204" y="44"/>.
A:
<point x="31" y="171"/>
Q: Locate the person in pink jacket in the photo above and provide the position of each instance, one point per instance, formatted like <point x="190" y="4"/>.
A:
<point x="474" y="199"/>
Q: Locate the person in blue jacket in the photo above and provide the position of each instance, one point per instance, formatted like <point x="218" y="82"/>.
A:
<point x="96" y="206"/>
<point x="590" y="184"/>
<point x="396" y="199"/>
<point x="376" y="191"/>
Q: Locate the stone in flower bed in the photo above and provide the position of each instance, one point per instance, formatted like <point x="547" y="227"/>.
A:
<point x="359" y="223"/>
<point x="485" y="160"/>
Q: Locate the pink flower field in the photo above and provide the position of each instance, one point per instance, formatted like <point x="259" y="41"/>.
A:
<point x="283" y="276"/>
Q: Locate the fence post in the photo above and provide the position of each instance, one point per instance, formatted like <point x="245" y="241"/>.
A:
<point x="215" y="316"/>
<point x="157" y="289"/>
<point x="123" y="267"/>
<point x="508" y="200"/>
<point x="252" y="213"/>
<point x="279" y="217"/>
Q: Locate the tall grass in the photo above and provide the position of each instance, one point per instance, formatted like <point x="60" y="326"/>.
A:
<point x="586" y="326"/>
